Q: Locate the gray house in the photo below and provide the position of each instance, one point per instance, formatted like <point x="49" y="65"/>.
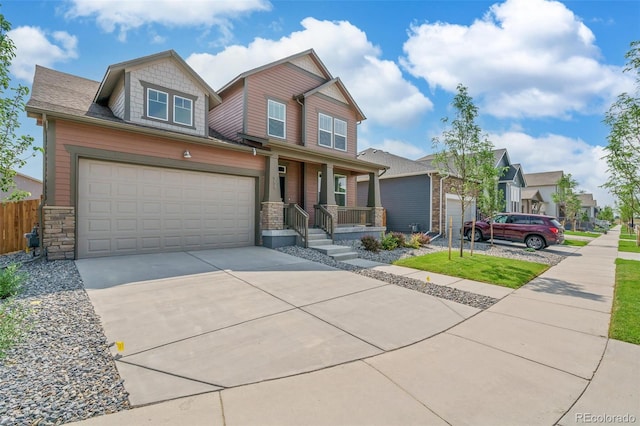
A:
<point x="512" y="182"/>
<point x="405" y="191"/>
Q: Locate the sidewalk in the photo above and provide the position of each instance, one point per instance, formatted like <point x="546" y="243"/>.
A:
<point x="540" y="356"/>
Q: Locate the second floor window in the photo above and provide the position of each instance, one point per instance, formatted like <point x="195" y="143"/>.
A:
<point x="277" y="113"/>
<point x="182" y="110"/>
<point x="332" y="132"/>
<point x="157" y="104"/>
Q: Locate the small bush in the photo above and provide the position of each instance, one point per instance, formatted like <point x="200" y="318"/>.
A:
<point x="414" y="242"/>
<point x="389" y="242"/>
<point x="423" y="239"/>
<point x="400" y="237"/>
<point x="370" y="243"/>
<point x="12" y="330"/>
<point x="11" y="280"/>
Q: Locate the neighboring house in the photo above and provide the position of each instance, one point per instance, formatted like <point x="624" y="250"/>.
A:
<point x="415" y="194"/>
<point x="152" y="159"/>
<point x="589" y="206"/>
<point x="546" y="183"/>
<point x="26" y="183"/>
<point x="531" y="200"/>
<point x="511" y="181"/>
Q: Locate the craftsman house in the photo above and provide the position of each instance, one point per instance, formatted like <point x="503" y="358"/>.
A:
<point x="153" y="159"/>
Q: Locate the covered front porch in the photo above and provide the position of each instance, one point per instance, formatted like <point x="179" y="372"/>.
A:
<point x="305" y="190"/>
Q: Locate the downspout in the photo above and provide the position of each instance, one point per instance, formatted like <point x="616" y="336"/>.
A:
<point x="43" y="199"/>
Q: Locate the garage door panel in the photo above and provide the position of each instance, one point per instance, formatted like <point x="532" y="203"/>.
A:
<point x="125" y="209"/>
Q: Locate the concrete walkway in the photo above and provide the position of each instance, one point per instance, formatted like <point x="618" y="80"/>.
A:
<point x="540" y="356"/>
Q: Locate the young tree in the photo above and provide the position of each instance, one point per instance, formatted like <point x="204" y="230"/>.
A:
<point x="491" y="199"/>
<point x="463" y="152"/>
<point x="14" y="149"/>
<point x="566" y="197"/>
<point x="606" y="214"/>
<point x="623" y="141"/>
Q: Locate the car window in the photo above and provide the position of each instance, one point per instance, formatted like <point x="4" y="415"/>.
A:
<point x="501" y="218"/>
<point x="519" y="220"/>
<point x="556" y="223"/>
<point x="537" y="221"/>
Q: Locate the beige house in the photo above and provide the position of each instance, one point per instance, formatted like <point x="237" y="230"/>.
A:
<point x="26" y="183"/>
<point x="546" y="183"/>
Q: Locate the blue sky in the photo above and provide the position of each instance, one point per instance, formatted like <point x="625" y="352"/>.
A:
<point x="541" y="72"/>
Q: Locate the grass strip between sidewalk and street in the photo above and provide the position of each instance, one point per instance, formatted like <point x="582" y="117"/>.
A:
<point x="575" y="243"/>
<point x="625" y="315"/>
<point x="628" y="246"/>
<point x="511" y="273"/>
<point x="583" y="234"/>
<point x="624" y="236"/>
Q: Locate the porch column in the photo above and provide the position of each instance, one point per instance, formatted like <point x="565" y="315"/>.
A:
<point x="374" y="191"/>
<point x="272" y="216"/>
<point x="327" y="186"/>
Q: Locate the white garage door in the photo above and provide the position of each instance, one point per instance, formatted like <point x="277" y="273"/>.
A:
<point x="454" y="211"/>
<point x="127" y="209"/>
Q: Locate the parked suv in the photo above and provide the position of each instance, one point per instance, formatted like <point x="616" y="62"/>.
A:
<point x="536" y="231"/>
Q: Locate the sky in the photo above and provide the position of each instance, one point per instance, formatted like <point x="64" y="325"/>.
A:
<point x="542" y="73"/>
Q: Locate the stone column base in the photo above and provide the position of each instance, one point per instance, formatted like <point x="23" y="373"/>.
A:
<point x="272" y="216"/>
<point x="59" y="232"/>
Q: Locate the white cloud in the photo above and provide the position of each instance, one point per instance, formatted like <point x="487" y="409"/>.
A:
<point x="377" y="85"/>
<point x="124" y="16"/>
<point x="524" y="58"/>
<point x="553" y="152"/>
<point x="34" y="45"/>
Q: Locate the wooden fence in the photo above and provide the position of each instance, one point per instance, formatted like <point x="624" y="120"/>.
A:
<point x="16" y="219"/>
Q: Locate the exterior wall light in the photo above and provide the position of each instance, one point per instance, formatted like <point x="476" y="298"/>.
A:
<point x="186" y="154"/>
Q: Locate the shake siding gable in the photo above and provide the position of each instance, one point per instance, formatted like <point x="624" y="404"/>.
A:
<point x="166" y="74"/>
<point x="73" y="134"/>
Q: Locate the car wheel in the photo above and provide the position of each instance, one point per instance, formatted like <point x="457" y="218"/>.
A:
<point x="477" y="234"/>
<point x="535" y="242"/>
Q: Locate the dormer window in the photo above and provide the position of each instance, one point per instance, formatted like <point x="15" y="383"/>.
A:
<point x="182" y="110"/>
<point x="157" y="104"/>
<point x="168" y="105"/>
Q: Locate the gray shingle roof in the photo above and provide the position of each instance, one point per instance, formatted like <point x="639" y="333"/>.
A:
<point x="56" y="91"/>
<point x="398" y="166"/>
<point x="544" y="178"/>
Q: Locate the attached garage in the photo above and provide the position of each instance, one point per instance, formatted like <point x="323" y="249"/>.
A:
<point x="454" y="211"/>
<point x="132" y="209"/>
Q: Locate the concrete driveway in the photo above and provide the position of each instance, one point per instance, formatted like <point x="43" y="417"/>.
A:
<point x="195" y="322"/>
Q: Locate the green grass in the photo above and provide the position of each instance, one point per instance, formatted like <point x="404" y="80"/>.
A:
<point x="583" y="234"/>
<point x="575" y="243"/>
<point x="625" y="315"/>
<point x="628" y="246"/>
<point x="627" y="236"/>
<point x="489" y="269"/>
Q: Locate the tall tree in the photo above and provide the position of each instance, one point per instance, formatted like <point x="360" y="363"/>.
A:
<point x="623" y="141"/>
<point x="14" y="149"/>
<point x="463" y="152"/>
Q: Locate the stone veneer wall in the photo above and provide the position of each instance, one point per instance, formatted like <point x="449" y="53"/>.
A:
<point x="59" y="232"/>
<point x="448" y="184"/>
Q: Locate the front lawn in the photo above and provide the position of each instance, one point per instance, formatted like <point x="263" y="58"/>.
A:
<point x="628" y="246"/>
<point x="627" y="236"/>
<point x="583" y="234"/>
<point x="575" y="243"/>
<point x="505" y="272"/>
<point x="625" y="315"/>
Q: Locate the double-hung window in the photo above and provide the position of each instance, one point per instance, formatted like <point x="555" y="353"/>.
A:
<point x="277" y="113"/>
<point x="182" y="110"/>
<point x="157" y="104"/>
<point x="332" y="132"/>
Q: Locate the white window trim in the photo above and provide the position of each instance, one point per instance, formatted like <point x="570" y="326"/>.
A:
<point x="149" y="89"/>
<point x="190" y="110"/>
<point x="320" y="130"/>
<point x="335" y="187"/>
<point x="339" y="134"/>
<point x="284" y="122"/>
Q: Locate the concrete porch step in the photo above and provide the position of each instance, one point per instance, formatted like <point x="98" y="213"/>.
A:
<point x="337" y="252"/>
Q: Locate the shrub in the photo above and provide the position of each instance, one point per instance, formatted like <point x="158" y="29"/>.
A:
<point x="414" y="241"/>
<point x="389" y="242"/>
<point x="11" y="280"/>
<point x="423" y="239"/>
<point x="370" y="243"/>
<point x="12" y="318"/>
<point x="400" y="237"/>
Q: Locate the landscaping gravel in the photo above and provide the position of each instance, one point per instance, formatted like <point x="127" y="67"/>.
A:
<point x="63" y="370"/>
